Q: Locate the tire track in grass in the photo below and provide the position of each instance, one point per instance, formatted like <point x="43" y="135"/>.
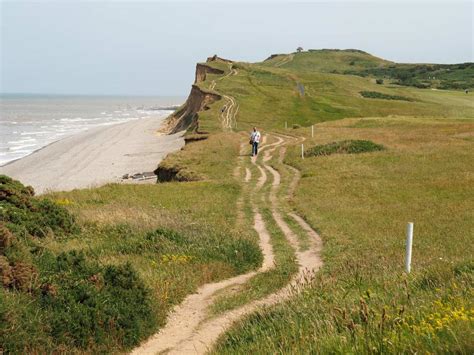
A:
<point x="309" y="261"/>
<point x="184" y="320"/>
<point x="187" y="332"/>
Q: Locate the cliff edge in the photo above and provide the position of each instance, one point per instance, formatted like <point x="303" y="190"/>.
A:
<point x="199" y="99"/>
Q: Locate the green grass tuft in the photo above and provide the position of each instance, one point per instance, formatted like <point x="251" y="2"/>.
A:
<point x="344" y="147"/>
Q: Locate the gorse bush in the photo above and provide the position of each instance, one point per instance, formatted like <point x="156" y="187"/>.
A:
<point x="442" y="76"/>
<point x="80" y="304"/>
<point x="86" y="303"/>
<point x="379" y="95"/>
<point x="38" y="217"/>
<point x="344" y="147"/>
<point x="68" y="301"/>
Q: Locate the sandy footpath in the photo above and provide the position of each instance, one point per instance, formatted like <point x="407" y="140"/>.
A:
<point x="95" y="157"/>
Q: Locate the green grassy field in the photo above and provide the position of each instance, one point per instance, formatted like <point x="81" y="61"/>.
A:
<point x="362" y="301"/>
<point x="163" y="241"/>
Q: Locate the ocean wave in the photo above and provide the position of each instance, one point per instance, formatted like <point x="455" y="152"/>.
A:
<point x="20" y="141"/>
<point x="20" y="148"/>
<point x="24" y="137"/>
<point x="34" y="133"/>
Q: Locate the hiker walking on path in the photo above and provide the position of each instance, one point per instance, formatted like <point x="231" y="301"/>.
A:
<point x="254" y="140"/>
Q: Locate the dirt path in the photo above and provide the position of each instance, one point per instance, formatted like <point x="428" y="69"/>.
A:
<point x="248" y="175"/>
<point x="231" y="107"/>
<point x="229" y="113"/>
<point x="185" y="318"/>
<point x="188" y="331"/>
<point x="285" y="60"/>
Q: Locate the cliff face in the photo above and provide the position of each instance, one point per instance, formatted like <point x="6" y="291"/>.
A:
<point x="202" y="70"/>
<point x="187" y="116"/>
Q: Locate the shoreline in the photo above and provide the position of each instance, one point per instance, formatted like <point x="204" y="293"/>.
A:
<point x="80" y="132"/>
<point x="95" y="157"/>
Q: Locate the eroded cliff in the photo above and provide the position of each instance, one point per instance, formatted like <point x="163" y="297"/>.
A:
<point x="202" y="70"/>
<point x="199" y="99"/>
<point x="187" y="116"/>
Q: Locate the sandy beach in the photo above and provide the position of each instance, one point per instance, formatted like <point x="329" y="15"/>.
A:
<point x="95" y="157"/>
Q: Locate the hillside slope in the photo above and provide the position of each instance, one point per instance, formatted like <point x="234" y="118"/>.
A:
<point x="310" y="87"/>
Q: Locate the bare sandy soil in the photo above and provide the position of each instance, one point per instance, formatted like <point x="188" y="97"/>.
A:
<point x="95" y="157"/>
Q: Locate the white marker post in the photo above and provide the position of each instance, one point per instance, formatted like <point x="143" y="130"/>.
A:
<point x="286" y="125"/>
<point x="409" y="247"/>
<point x="302" y="151"/>
<point x="312" y="131"/>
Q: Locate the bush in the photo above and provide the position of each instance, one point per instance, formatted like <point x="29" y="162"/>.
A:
<point x="61" y="301"/>
<point x="82" y="305"/>
<point x="379" y="81"/>
<point x="91" y="304"/>
<point x="379" y="95"/>
<point x="344" y="147"/>
<point x="22" y="211"/>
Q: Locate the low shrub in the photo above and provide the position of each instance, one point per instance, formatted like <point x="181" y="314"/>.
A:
<point x="21" y="211"/>
<point x="88" y="304"/>
<point x="344" y="147"/>
<point x="379" y="95"/>
<point x="63" y="301"/>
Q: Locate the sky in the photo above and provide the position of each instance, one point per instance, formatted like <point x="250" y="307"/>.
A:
<point x="151" y="47"/>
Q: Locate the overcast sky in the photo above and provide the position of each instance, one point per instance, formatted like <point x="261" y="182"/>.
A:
<point x="150" y="48"/>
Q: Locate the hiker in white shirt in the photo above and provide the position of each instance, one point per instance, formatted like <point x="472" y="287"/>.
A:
<point x="254" y="140"/>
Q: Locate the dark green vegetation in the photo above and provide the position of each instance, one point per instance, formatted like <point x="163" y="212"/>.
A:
<point x="24" y="214"/>
<point x="344" y="147"/>
<point x="379" y="95"/>
<point x="355" y="62"/>
<point x="441" y="76"/>
<point x="53" y="300"/>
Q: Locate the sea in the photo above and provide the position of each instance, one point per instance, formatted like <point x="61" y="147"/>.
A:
<point x="30" y="122"/>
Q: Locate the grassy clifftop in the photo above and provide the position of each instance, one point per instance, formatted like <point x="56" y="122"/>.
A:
<point x="302" y="88"/>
